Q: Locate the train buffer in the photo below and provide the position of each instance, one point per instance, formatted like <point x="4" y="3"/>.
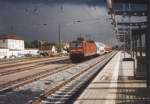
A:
<point x="117" y="83"/>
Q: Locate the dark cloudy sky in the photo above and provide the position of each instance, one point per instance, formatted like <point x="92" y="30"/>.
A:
<point x="39" y="19"/>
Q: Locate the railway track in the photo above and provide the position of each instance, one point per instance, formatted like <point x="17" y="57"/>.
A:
<point x="29" y="66"/>
<point x="7" y="61"/>
<point x="48" y="82"/>
<point x="9" y="65"/>
<point x="29" y="79"/>
<point x="33" y="77"/>
<point x="21" y="59"/>
<point x="71" y="88"/>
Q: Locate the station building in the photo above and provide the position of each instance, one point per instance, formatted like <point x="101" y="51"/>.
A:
<point x="12" y="46"/>
<point x="12" y="42"/>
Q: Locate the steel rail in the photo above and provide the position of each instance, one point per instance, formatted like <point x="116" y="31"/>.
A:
<point x="59" y="86"/>
<point x="31" y="62"/>
<point x="41" y="64"/>
<point x="29" y="79"/>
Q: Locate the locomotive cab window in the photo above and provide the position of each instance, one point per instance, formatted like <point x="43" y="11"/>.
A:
<point x="76" y="44"/>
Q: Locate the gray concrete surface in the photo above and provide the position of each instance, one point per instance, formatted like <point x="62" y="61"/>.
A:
<point x="116" y="84"/>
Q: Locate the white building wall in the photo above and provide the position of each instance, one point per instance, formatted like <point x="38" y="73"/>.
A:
<point x="15" y="44"/>
<point x="4" y="53"/>
<point x="4" y="43"/>
<point x="31" y="51"/>
<point x="17" y="53"/>
<point x="11" y="47"/>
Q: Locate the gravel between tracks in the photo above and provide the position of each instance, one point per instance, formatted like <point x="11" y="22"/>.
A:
<point x="39" y="60"/>
<point x="27" y="93"/>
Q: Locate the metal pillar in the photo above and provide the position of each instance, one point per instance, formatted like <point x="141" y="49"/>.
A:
<point x="123" y="8"/>
<point x="130" y="33"/>
<point x="147" y="58"/>
<point x="147" y="47"/>
<point x="124" y="44"/>
<point x="140" y="45"/>
<point x="136" y="46"/>
<point x="133" y="45"/>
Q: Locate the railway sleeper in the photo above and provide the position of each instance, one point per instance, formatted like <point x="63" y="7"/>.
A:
<point x="68" y="93"/>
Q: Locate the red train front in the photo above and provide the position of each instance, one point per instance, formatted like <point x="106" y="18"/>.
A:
<point x="81" y="48"/>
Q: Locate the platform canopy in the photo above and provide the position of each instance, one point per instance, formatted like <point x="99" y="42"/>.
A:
<point x="135" y="32"/>
<point x="129" y="8"/>
<point x="138" y="31"/>
<point x="132" y="23"/>
<point x="119" y="25"/>
<point x="111" y="2"/>
<point x="127" y="29"/>
<point x="130" y="1"/>
<point x="131" y="13"/>
<point x="122" y="37"/>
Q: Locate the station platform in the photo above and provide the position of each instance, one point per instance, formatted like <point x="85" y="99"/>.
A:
<point x="116" y="84"/>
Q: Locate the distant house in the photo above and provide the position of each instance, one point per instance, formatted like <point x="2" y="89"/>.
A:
<point x="66" y="45"/>
<point x="65" y="49"/>
<point x="11" y="45"/>
<point x="49" y="47"/>
<point x="12" y="42"/>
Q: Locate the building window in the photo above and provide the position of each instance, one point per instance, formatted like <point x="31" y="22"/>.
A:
<point x="3" y="41"/>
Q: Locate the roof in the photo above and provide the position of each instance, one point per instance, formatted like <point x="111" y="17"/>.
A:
<point x="3" y="48"/>
<point x="131" y="1"/>
<point x="10" y="36"/>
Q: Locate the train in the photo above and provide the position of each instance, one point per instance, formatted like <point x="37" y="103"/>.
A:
<point x="100" y="48"/>
<point x="81" y="48"/>
<point x="108" y="48"/>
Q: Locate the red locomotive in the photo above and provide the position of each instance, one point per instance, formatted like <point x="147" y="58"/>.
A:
<point x="81" y="48"/>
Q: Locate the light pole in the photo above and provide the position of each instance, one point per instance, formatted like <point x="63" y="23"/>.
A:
<point x="130" y="33"/>
<point x="123" y="20"/>
<point x="59" y="38"/>
<point x="59" y="35"/>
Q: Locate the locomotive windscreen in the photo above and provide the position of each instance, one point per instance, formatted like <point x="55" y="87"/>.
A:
<point x="76" y="44"/>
